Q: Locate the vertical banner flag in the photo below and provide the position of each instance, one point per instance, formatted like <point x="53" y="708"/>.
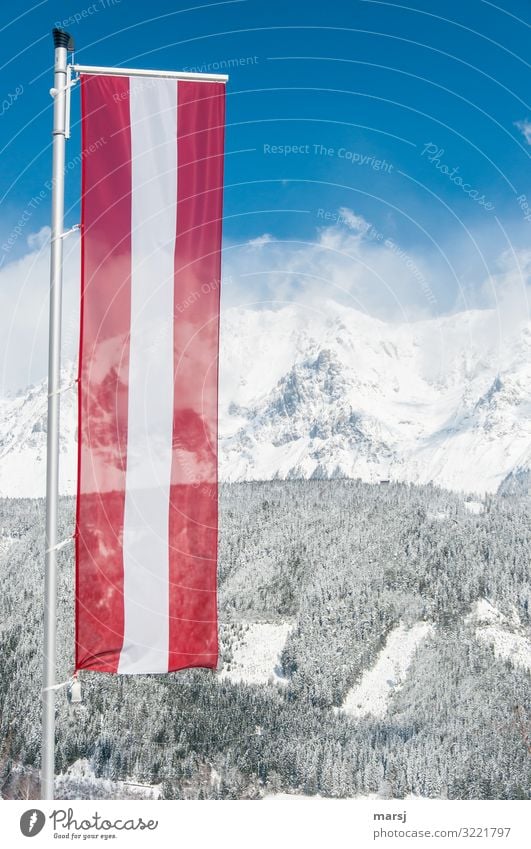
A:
<point x="146" y="527"/>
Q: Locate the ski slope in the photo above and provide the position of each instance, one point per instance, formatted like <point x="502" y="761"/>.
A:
<point x="504" y="634"/>
<point x="256" y="658"/>
<point x="377" y="685"/>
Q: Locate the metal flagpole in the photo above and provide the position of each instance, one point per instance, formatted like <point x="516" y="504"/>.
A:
<point x="62" y="43"/>
<point x="141" y="72"/>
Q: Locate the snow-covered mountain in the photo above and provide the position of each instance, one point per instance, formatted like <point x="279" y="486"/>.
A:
<point x="336" y="392"/>
<point x="23" y="439"/>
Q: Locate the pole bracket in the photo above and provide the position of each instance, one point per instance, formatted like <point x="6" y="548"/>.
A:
<point x="60" y="545"/>
<point x="66" y="233"/>
<point x="68" y="683"/>
<point x="70" y="83"/>
<point x="64" y="388"/>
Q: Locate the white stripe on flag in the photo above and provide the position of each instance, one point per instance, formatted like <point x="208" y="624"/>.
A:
<point x="150" y="405"/>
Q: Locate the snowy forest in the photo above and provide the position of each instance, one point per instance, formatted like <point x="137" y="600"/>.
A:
<point x="341" y="564"/>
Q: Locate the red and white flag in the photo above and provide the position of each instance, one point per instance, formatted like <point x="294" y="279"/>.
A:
<point x="146" y="529"/>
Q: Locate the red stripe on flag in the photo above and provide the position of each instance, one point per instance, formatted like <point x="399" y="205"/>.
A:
<point x="103" y="370"/>
<point x="193" y="518"/>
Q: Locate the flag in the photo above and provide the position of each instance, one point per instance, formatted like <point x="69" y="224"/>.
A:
<point x="146" y="523"/>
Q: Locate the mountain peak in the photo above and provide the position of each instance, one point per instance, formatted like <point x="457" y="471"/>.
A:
<point x="335" y="393"/>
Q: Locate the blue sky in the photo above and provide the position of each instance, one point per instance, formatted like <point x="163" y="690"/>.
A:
<point x="397" y="130"/>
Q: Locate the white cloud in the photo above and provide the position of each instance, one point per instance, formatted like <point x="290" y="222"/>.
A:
<point x="525" y="129"/>
<point x="508" y="288"/>
<point x="356" y="222"/>
<point x="38" y="240"/>
<point x="366" y="267"/>
<point x="24" y="298"/>
<point x="260" y="241"/>
<point x="350" y="261"/>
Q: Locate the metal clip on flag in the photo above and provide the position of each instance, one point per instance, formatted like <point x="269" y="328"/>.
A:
<point x="146" y="519"/>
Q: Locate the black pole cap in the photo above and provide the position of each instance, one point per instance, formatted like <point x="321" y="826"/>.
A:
<point x="61" y="38"/>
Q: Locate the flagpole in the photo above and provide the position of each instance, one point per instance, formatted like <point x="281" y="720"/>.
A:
<point x="62" y="43"/>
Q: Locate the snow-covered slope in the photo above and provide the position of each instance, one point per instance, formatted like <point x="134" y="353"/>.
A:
<point x="336" y="392"/>
<point x="256" y="654"/>
<point x="377" y="685"/>
<point x="23" y="440"/>
<point x="507" y="636"/>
